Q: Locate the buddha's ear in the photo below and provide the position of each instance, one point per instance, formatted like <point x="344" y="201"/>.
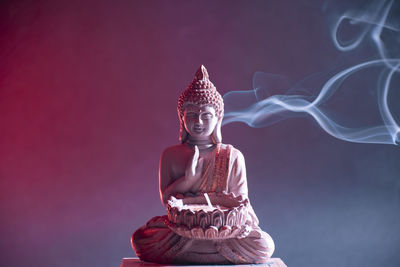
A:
<point x="216" y="136"/>
<point x="183" y="135"/>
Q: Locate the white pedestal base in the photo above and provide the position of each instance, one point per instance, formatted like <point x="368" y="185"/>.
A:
<point x="135" y="262"/>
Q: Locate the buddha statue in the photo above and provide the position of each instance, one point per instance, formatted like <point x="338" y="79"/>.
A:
<point x="202" y="165"/>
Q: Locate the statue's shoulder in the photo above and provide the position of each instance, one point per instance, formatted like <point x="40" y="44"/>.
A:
<point x="175" y="148"/>
<point x="234" y="152"/>
<point x="174" y="151"/>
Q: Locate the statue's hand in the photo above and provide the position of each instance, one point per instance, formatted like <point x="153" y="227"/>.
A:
<point x="194" y="167"/>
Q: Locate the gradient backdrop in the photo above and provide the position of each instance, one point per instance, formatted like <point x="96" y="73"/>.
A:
<point x="88" y="94"/>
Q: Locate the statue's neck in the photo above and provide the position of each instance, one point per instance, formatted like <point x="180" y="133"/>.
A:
<point x="201" y="143"/>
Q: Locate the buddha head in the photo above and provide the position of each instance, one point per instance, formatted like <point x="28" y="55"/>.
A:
<point x="200" y="109"/>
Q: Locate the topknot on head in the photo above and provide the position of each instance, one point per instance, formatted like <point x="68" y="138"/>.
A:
<point x="202" y="74"/>
<point x="201" y="80"/>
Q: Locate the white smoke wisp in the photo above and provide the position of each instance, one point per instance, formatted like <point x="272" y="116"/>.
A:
<point x="251" y="108"/>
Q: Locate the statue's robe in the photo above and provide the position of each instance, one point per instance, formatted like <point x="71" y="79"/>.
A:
<point x="225" y="172"/>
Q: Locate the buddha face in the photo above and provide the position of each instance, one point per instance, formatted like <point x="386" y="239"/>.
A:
<point x="200" y="121"/>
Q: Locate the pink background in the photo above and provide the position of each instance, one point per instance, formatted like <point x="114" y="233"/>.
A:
<point x="88" y="94"/>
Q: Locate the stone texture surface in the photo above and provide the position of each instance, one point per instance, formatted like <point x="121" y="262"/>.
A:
<point x="135" y="262"/>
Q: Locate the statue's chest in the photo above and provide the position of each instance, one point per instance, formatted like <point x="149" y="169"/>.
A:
<point x="178" y="167"/>
<point x="183" y="161"/>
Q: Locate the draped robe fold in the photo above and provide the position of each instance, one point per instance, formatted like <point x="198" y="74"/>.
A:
<point x="225" y="172"/>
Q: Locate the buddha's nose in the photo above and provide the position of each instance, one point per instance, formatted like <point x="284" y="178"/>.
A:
<point x="199" y="121"/>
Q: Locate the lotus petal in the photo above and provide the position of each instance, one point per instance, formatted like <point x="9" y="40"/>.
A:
<point x="197" y="232"/>
<point x="217" y="218"/>
<point x="211" y="232"/>
<point x="224" y="232"/>
<point x="231" y="219"/>
<point x="202" y="219"/>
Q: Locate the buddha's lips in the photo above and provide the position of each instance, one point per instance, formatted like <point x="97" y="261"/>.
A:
<point x="198" y="129"/>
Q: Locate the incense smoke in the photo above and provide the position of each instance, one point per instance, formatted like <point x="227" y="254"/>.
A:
<point x="260" y="108"/>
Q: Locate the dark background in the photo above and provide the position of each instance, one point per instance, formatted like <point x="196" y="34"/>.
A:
<point x="88" y="94"/>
